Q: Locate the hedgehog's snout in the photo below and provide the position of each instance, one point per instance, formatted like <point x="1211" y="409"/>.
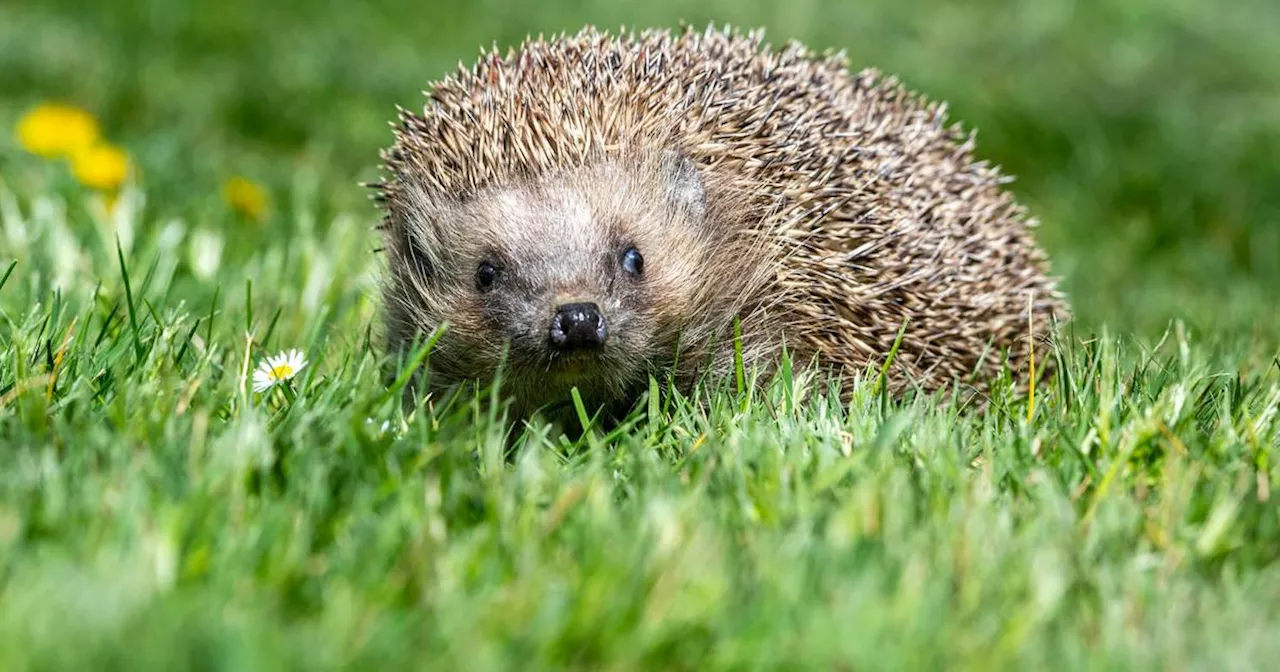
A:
<point x="577" y="326"/>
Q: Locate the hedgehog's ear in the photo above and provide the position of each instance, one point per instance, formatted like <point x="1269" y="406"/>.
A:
<point x="684" y="183"/>
<point x="412" y="229"/>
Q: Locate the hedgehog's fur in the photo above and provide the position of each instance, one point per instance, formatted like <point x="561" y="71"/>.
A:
<point x="832" y="209"/>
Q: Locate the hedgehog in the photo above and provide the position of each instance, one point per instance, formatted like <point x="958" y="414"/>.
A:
<point x="595" y="211"/>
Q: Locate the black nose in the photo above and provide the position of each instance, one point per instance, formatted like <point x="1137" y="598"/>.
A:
<point x="577" y="325"/>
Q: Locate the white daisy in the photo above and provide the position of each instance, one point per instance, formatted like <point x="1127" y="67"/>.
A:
<point x="278" y="369"/>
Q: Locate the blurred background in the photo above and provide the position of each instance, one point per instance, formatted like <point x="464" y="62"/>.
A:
<point x="1145" y="134"/>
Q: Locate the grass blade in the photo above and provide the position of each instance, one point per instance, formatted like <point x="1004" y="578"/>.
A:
<point x="7" y="272"/>
<point x="128" y="296"/>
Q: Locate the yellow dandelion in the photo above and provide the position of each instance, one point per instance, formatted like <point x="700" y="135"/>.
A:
<point x="275" y="370"/>
<point x="245" y="197"/>
<point x="101" y="166"/>
<point x="53" y="129"/>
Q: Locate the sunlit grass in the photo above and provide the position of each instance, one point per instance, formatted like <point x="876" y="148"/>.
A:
<point x="1128" y="520"/>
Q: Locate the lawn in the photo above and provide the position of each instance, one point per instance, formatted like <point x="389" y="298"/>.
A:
<point x="157" y="513"/>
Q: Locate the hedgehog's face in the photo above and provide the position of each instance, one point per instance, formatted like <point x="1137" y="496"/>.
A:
<point x="583" y="279"/>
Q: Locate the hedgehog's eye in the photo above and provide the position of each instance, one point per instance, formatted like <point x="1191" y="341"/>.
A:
<point x="486" y="275"/>
<point x="632" y="262"/>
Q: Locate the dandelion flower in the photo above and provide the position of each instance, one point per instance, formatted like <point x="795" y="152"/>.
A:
<point x="276" y="370"/>
<point x="101" y="167"/>
<point x="52" y="129"/>
<point x="245" y="197"/>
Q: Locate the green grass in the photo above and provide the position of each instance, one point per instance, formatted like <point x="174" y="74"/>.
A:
<point x="157" y="514"/>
